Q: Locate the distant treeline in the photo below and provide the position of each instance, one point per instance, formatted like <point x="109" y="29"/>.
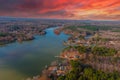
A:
<point x="3" y="34"/>
<point x="94" y="28"/>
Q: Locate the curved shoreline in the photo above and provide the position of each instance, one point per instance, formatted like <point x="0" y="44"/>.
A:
<point x="36" y="54"/>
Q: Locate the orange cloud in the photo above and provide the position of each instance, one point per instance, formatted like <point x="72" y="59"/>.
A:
<point x="71" y="9"/>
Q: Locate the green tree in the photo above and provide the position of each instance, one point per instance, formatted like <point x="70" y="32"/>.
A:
<point x="61" y="78"/>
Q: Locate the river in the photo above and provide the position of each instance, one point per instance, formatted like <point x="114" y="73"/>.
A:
<point x="19" y="61"/>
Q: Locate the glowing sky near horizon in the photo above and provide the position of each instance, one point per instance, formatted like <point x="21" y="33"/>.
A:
<point x="63" y="9"/>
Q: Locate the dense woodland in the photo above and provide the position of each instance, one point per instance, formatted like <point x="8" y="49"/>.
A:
<point x="81" y="71"/>
<point x="100" y="51"/>
<point x="100" y="66"/>
<point x="93" y="27"/>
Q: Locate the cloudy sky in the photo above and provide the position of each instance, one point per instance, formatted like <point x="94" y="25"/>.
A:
<point x="62" y="9"/>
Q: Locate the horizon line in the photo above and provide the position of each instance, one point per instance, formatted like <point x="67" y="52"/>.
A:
<point x="58" y="18"/>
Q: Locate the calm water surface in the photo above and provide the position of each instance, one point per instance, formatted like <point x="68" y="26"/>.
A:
<point x="21" y="60"/>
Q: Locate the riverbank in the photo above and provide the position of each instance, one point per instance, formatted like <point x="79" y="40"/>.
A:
<point x="21" y="60"/>
<point x="86" y="49"/>
<point x="18" y="36"/>
<point x="105" y="64"/>
<point x="96" y="62"/>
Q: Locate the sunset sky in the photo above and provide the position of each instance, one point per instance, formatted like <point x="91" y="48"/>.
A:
<point x="62" y="9"/>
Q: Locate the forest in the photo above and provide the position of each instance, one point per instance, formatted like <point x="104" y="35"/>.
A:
<point x="81" y="71"/>
<point x="99" y="51"/>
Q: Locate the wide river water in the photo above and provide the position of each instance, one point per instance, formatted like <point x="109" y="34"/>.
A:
<point x="21" y="60"/>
